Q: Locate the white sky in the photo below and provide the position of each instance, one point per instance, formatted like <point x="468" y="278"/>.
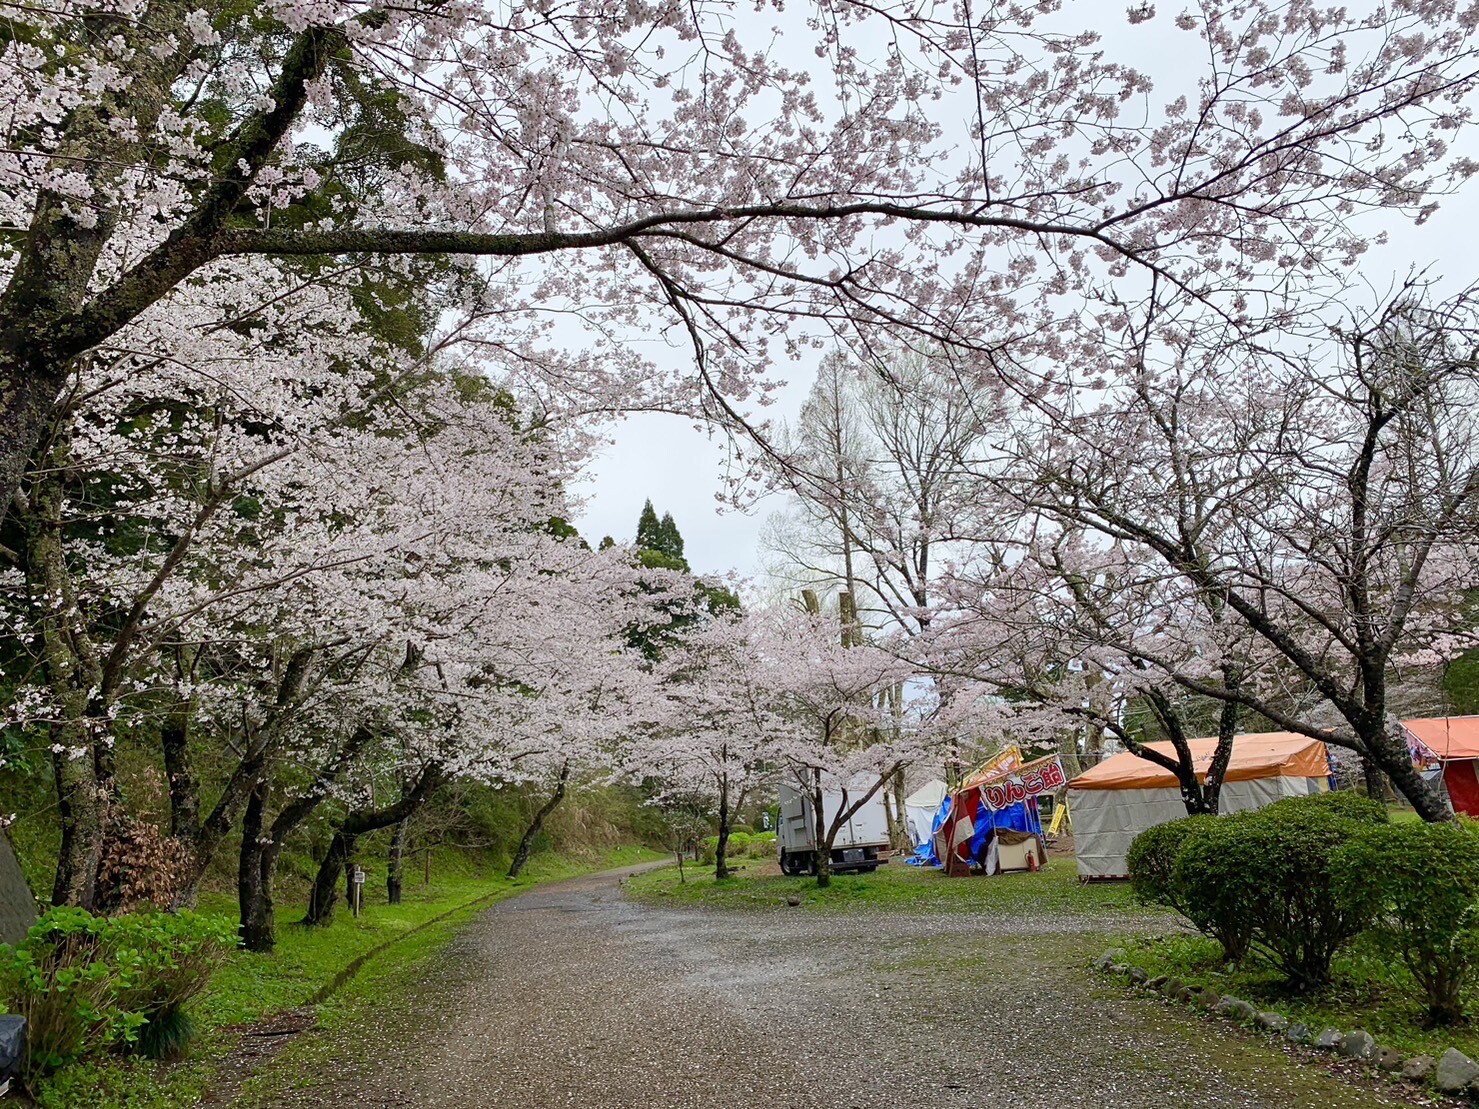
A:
<point x="664" y="458"/>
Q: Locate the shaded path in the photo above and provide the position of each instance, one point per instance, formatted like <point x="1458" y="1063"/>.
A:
<point x="572" y="995"/>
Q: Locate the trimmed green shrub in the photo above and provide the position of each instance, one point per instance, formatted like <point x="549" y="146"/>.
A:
<point x="1271" y="872"/>
<point x="741" y="829"/>
<point x="1344" y="803"/>
<point x="1422" y="883"/>
<point x="1153" y="855"/>
<point x="761" y="846"/>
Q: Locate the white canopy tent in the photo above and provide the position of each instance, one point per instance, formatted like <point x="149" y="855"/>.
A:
<point x="920" y="808"/>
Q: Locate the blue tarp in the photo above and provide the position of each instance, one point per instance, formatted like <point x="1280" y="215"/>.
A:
<point x="1021" y="817"/>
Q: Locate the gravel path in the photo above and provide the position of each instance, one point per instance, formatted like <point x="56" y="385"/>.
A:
<point x="571" y="995"/>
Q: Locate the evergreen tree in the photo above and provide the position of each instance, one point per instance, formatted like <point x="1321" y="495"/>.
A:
<point x="649" y="529"/>
<point x="669" y="542"/>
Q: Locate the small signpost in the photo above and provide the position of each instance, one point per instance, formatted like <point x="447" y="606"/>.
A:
<point x="357" y="879"/>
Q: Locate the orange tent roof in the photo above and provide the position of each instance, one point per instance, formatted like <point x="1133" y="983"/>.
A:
<point x="1448" y="737"/>
<point x="1270" y="755"/>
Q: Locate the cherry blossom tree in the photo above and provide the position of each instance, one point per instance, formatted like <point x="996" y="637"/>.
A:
<point x="1320" y="499"/>
<point x="636" y="170"/>
<point x="720" y="721"/>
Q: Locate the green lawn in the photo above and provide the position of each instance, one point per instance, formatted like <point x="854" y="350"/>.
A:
<point x="308" y="960"/>
<point x="894" y="886"/>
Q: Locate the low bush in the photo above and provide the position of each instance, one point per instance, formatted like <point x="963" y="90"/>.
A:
<point x="1271" y="872"/>
<point x="1152" y="858"/>
<point x="1422" y="883"/>
<point x="1344" y="803"/>
<point x="59" y="978"/>
<point x="169" y="959"/>
<point x="85" y="983"/>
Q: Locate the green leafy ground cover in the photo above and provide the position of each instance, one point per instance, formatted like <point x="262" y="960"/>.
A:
<point x="758" y="885"/>
<point x="251" y="987"/>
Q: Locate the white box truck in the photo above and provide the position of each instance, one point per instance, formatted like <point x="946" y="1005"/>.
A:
<point x="862" y="842"/>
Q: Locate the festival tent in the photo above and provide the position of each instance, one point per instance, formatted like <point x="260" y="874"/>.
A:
<point x="991" y="821"/>
<point x="1124" y="795"/>
<point x="920" y="809"/>
<point x="1452" y="742"/>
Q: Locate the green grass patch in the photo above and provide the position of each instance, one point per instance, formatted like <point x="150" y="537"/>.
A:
<point x="894" y="886"/>
<point x="1368" y="991"/>
<point x="251" y="986"/>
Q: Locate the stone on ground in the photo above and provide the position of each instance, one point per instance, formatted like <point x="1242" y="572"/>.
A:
<point x="1388" y="1058"/>
<point x="1297" y="1033"/>
<point x="1236" y="1008"/>
<point x="1208" y="998"/>
<point x="1357" y="1045"/>
<point x="1329" y="1039"/>
<point x="1419" y="1068"/>
<point x="1109" y="958"/>
<point x="1455" y="1070"/>
<point x="1271" y="1022"/>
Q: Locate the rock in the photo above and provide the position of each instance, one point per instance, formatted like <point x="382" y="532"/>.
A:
<point x="1454" y="1071"/>
<point x="1157" y="982"/>
<point x="1184" y="995"/>
<point x="793" y="901"/>
<point x="1329" y="1039"/>
<point x="1139" y="976"/>
<point x="1118" y="968"/>
<point x="1388" y="1059"/>
<point x="1271" y="1022"/>
<point x="1208" y="998"/>
<point x="1358" y="1045"/>
<point x="1419" y="1068"/>
<point x="1235" y="1008"/>
<point x="1109" y="958"/>
<point x="1171" y="985"/>
<point x="1297" y="1033"/>
<point x="12" y="1044"/>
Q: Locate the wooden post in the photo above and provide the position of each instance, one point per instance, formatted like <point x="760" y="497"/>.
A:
<point x="426" y="877"/>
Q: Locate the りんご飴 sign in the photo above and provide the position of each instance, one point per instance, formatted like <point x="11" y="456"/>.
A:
<point x="1042" y="776"/>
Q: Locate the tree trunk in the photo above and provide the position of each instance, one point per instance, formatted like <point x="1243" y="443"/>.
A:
<point x="905" y="842"/>
<point x="823" y="854"/>
<point x="326" y="884"/>
<point x="721" y="846"/>
<point x="254" y="873"/>
<point x="79" y="805"/>
<point x="1388" y="751"/>
<point x="531" y="833"/>
<point x="355" y="824"/>
<point x="394" y="867"/>
<point x="1376" y="781"/>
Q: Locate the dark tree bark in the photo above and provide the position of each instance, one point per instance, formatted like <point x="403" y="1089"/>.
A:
<point x="357" y="823"/>
<point x="257" y="929"/>
<point x="721" y="847"/>
<point x="260" y="851"/>
<point x="531" y="833"/>
<point x="395" y="864"/>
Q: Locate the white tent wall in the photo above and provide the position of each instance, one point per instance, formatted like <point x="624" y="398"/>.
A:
<point x="920" y="823"/>
<point x="1106" y="821"/>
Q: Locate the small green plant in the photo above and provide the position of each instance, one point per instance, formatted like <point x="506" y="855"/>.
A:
<point x="170" y="958"/>
<point x="60" y="979"/>
<point x="86" y="983"/>
<point x="1422" y="881"/>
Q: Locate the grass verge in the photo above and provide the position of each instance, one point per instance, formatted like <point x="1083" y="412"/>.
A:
<point x="1368" y="991"/>
<point x="894" y="886"/>
<point x="251" y="986"/>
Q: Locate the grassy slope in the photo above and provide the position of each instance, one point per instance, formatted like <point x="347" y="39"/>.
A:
<point x="252" y="986"/>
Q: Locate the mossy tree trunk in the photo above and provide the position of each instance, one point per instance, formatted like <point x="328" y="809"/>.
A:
<point x="531" y="833"/>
